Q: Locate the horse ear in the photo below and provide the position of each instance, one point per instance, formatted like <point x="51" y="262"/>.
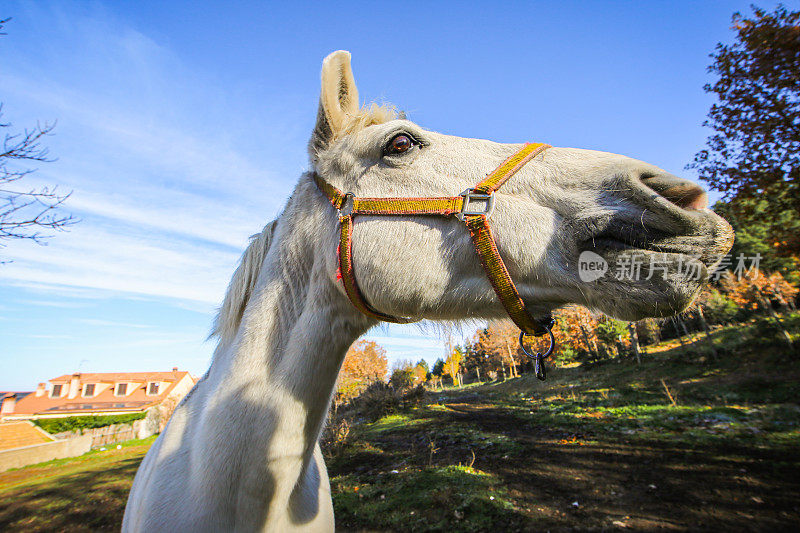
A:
<point x="338" y="100"/>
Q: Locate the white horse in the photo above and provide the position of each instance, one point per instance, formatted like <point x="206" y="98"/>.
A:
<point x="240" y="452"/>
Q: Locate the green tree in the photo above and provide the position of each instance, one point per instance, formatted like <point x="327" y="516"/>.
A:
<point x="438" y="367"/>
<point x="476" y="360"/>
<point x="754" y="153"/>
<point x="402" y="377"/>
<point x="610" y="332"/>
<point x="717" y="308"/>
<point x="756" y="234"/>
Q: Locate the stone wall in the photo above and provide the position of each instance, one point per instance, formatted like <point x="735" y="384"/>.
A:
<point x="138" y="429"/>
<point x="38" y="453"/>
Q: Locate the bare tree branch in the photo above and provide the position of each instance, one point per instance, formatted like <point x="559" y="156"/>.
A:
<point x="27" y="212"/>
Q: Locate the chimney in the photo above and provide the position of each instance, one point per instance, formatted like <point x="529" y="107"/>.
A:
<point x="174" y="368"/>
<point x="74" y="385"/>
<point x="40" y="390"/>
<point x="7" y="405"/>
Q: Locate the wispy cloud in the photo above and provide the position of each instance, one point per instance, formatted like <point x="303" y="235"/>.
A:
<point x="52" y="303"/>
<point x="112" y="323"/>
<point x="166" y="204"/>
<point x="53" y="289"/>
<point x="90" y="257"/>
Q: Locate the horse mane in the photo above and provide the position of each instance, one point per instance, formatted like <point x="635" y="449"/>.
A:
<point x="367" y="116"/>
<point x="242" y="284"/>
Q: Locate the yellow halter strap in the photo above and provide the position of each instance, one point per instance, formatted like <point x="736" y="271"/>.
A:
<point x="462" y="207"/>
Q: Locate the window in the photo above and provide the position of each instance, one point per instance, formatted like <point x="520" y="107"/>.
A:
<point x="56" y="393"/>
<point x="152" y="388"/>
<point x="88" y="390"/>
<point x="122" y="388"/>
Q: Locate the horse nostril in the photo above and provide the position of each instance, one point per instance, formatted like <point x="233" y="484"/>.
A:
<point x="682" y="193"/>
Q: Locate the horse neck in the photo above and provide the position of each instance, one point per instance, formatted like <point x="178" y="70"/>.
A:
<point x="275" y="379"/>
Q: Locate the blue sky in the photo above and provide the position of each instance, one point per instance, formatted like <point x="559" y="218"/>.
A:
<point x="182" y="129"/>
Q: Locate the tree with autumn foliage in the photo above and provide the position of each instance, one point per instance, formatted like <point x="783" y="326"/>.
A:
<point x="760" y="291"/>
<point x="365" y="360"/>
<point x="452" y="365"/>
<point x="498" y="344"/>
<point x="420" y="374"/>
<point x="753" y="156"/>
<point x="575" y="333"/>
<point x="364" y="363"/>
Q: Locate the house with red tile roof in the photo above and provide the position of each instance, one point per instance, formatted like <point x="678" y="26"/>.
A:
<point x="112" y="393"/>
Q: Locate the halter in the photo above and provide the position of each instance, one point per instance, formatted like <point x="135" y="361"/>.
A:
<point x="472" y="207"/>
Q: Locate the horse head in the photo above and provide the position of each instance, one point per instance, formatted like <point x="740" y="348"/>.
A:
<point x="572" y="225"/>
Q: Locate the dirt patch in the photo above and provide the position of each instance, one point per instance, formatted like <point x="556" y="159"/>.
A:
<point x="562" y="482"/>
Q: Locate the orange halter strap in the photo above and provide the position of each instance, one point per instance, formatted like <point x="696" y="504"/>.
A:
<point x="467" y="208"/>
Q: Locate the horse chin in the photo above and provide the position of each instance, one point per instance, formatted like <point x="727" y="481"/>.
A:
<point x="650" y="302"/>
<point x="645" y="284"/>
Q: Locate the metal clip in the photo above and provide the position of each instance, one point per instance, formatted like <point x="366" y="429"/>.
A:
<point x="541" y="371"/>
<point x="470" y="196"/>
<point x="538" y="359"/>
<point x="347" y="205"/>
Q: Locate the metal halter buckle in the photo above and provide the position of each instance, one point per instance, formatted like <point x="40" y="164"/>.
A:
<point x="347" y="205"/>
<point x="470" y="196"/>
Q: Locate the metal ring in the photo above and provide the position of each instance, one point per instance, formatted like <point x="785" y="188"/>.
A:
<point x="549" y="348"/>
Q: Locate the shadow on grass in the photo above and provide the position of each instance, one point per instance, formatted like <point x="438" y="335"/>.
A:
<point x="90" y="500"/>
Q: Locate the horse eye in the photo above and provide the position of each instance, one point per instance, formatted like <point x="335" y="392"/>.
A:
<point x="399" y="144"/>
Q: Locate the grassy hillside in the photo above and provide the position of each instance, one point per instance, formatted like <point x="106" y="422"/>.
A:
<point x="713" y="446"/>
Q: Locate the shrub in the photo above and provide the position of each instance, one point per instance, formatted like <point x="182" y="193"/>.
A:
<point x="402" y="378"/>
<point x="79" y="423"/>
<point x="567" y="353"/>
<point x="610" y="332"/>
<point x="377" y="400"/>
<point x="380" y="399"/>
<point x="335" y="437"/>
<point x="414" y="397"/>
<point x="648" y="331"/>
<point x="720" y="309"/>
